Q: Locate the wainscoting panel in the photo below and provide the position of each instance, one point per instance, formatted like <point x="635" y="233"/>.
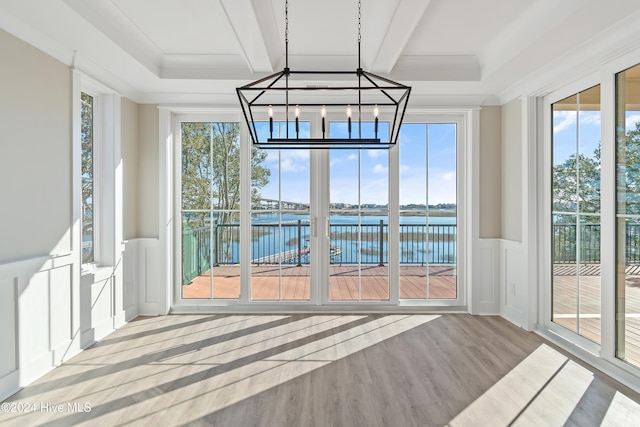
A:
<point x="486" y="280"/>
<point x="130" y="280"/>
<point x="35" y="318"/>
<point x="9" y="375"/>
<point x="513" y="283"/>
<point x="61" y="312"/>
<point x="151" y="287"/>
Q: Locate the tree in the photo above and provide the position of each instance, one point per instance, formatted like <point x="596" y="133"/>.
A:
<point x="628" y="172"/>
<point x="211" y="177"/>
<point x="576" y="190"/>
<point x="576" y="184"/>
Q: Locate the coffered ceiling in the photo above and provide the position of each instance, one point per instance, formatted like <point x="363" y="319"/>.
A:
<point x="198" y="51"/>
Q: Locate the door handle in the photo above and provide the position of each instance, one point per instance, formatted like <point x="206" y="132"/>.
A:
<point x="326" y="228"/>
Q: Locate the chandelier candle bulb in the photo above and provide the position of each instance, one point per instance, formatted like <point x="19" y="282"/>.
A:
<point x="375" y="126"/>
<point x="297" y="122"/>
<point x="349" y="120"/>
<point x="271" y="121"/>
<point x="324" y="112"/>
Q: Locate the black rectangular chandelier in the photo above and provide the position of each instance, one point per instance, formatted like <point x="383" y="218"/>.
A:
<point x="363" y="99"/>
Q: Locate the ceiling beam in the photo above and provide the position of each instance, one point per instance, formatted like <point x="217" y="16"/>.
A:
<point x="251" y="20"/>
<point x="405" y="19"/>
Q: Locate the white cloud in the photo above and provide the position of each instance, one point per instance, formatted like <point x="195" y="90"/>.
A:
<point x="289" y="165"/>
<point x="380" y="168"/>
<point x="375" y="153"/>
<point x="590" y="118"/>
<point x="568" y="119"/>
<point x="352" y="157"/>
<point x="449" y="176"/>
<point x="631" y="122"/>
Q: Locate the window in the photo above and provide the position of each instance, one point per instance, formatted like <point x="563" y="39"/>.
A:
<point x="97" y="175"/>
<point x="87" y="215"/>
<point x="359" y="217"/>
<point x="210" y="210"/>
<point x="318" y="227"/>
<point x="428" y="211"/>
<point x="576" y="213"/>
<point x="628" y="215"/>
<point x="280" y="219"/>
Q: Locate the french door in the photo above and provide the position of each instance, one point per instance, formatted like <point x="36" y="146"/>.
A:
<point x="318" y="227"/>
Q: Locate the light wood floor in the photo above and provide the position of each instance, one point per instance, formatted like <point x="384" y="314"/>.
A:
<point x="324" y="370"/>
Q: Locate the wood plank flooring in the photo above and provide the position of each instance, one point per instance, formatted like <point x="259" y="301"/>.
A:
<point x="323" y="370"/>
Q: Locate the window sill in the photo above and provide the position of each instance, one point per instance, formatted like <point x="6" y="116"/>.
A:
<point x="99" y="273"/>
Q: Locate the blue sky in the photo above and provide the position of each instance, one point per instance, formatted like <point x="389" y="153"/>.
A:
<point x="569" y="128"/>
<point x="373" y="166"/>
<point x="565" y="127"/>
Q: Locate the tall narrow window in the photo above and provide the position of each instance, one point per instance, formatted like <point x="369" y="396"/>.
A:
<point x="628" y="215"/>
<point x="210" y="210"/>
<point x="428" y="211"/>
<point x="280" y="218"/>
<point x="87" y="140"/>
<point x="358" y="225"/>
<point x="576" y="213"/>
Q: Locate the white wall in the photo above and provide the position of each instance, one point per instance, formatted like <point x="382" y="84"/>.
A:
<point x="517" y="264"/>
<point x="512" y="171"/>
<point x="35" y="161"/>
<point x="148" y="172"/>
<point x="487" y="202"/>
<point x="130" y="168"/>
<point x="490" y="153"/>
<point x="48" y="311"/>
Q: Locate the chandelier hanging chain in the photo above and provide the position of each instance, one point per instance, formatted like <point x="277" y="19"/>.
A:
<point x="359" y="30"/>
<point x="359" y="70"/>
<point x="286" y="33"/>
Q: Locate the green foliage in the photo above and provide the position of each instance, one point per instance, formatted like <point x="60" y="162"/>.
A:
<point x="211" y="171"/>
<point x="576" y="182"/>
<point x="628" y="172"/>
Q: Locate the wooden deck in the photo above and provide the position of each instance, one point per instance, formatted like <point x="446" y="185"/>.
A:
<point x="587" y="323"/>
<point x="343" y="283"/>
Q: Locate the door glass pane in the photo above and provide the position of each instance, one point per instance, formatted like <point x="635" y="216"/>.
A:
<point x="428" y="211"/>
<point x="280" y="219"/>
<point x="576" y="213"/>
<point x="210" y="210"/>
<point x="358" y="219"/>
<point x="628" y="215"/>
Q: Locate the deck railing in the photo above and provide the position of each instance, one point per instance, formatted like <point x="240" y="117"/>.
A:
<point x="565" y="244"/>
<point x="288" y="243"/>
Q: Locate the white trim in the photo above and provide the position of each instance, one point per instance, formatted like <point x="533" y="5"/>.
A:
<point x="529" y="159"/>
<point x="607" y="217"/>
<point x="467" y="120"/>
<point x="600" y="356"/>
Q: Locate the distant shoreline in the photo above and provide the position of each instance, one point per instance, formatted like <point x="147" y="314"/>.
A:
<point x="431" y="212"/>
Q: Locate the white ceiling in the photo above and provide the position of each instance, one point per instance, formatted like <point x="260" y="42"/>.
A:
<point x="450" y="51"/>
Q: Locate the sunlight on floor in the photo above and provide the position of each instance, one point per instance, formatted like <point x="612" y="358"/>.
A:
<point x="210" y="369"/>
<point x="544" y="389"/>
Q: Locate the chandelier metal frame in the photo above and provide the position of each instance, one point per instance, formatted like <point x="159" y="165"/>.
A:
<point x="289" y="91"/>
